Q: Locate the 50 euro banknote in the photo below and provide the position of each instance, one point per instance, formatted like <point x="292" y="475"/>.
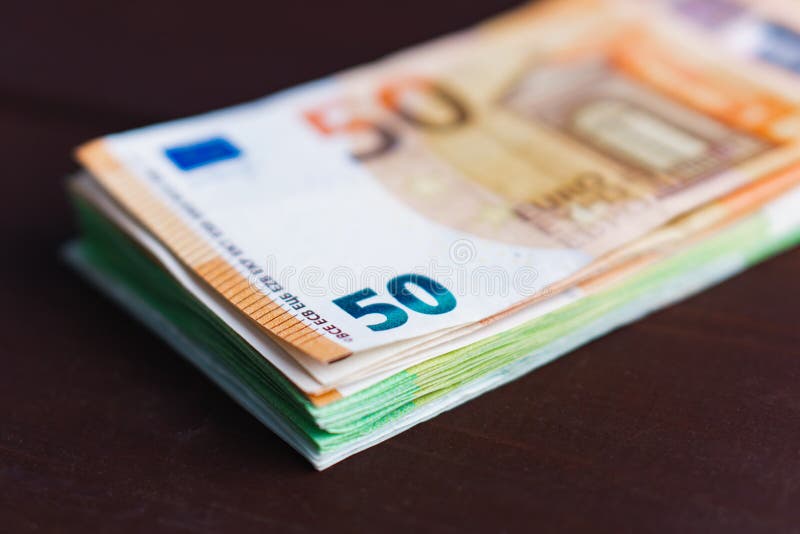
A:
<point x="355" y="220"/>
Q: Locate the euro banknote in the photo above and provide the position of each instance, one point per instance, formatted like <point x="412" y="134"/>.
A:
<point x="544" y="140"/>
<point x="371" y="248"/>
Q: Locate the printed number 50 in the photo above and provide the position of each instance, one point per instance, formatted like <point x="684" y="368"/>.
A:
<point x="398" y="288"/>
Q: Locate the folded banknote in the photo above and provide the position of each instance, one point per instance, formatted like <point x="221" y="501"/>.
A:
<point x="352" y="256"/>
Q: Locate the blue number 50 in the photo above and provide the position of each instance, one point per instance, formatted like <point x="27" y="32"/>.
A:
<point x="395" y="316"/>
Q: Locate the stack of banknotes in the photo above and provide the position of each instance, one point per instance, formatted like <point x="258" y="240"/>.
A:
<point x="355" y="255"/>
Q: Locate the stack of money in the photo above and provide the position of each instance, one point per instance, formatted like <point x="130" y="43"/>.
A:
<point x="353" y="256"/>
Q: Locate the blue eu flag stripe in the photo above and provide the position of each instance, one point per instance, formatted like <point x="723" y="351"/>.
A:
<point x="188" y="157"/>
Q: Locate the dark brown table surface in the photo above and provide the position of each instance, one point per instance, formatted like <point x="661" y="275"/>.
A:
<point x="686" y="421"/>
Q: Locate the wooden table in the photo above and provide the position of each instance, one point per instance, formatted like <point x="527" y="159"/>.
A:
<point x="686" y="421"/>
